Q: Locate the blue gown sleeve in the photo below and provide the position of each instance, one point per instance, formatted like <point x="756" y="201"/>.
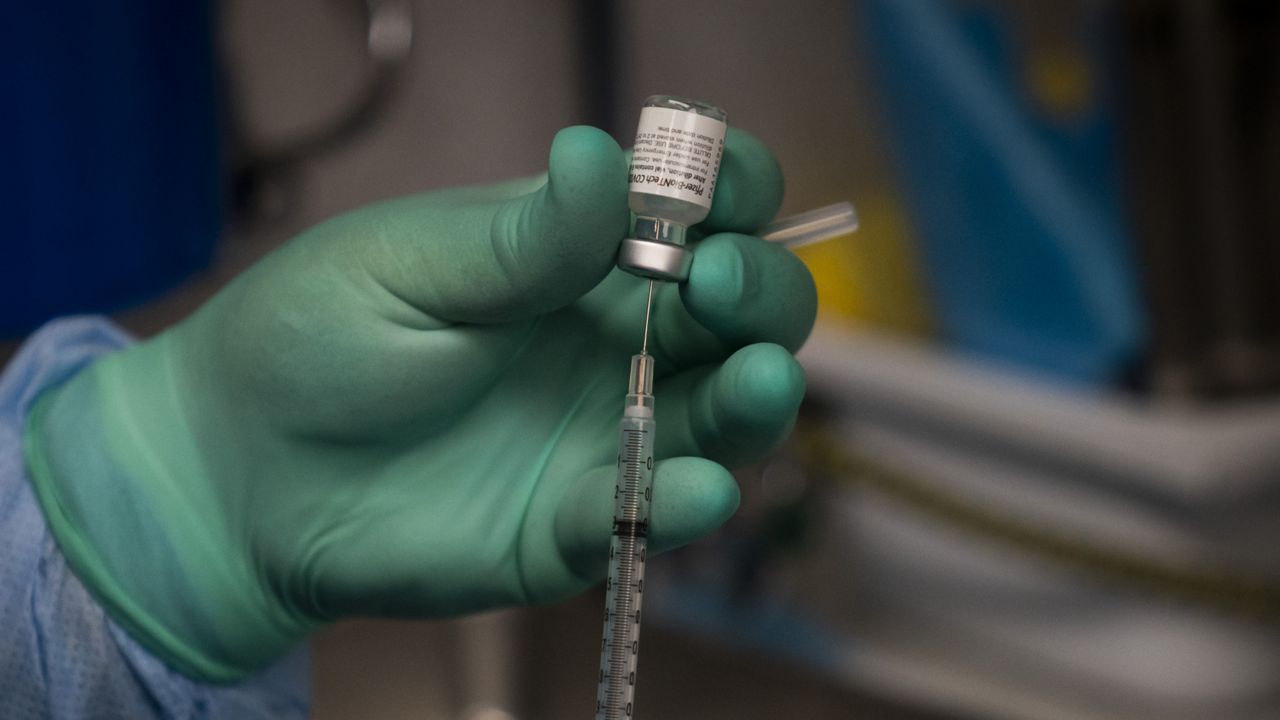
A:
<point x="61" y="656"/>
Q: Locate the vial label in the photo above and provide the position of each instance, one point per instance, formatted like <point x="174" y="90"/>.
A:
<point x="677" y="155"/>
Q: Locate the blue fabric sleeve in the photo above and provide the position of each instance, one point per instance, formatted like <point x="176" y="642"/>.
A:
<point x="60" y="655"/>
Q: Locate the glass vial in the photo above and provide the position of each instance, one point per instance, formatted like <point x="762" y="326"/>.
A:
<point x="672" y="178"/>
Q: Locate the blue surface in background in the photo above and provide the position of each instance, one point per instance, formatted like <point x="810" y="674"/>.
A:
<point x="1022" y="232"/>
<point x="110" y="168"/>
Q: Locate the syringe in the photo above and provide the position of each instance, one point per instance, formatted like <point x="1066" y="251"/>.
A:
<point x="624" y="585"/>
<point x="633" y="490"/>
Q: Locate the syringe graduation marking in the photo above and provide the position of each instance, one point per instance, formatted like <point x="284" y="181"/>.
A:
<point x="625" y="581"/>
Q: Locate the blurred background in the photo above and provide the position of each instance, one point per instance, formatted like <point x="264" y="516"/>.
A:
<point x="1038" y="471"/>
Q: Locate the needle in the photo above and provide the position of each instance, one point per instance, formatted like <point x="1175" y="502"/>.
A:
<point x="648" y="308"/>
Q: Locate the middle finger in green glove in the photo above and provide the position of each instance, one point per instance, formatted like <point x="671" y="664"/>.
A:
<point x="741" y="290"/>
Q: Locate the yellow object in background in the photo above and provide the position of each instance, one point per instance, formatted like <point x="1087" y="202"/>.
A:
<point x="872" y="277"/>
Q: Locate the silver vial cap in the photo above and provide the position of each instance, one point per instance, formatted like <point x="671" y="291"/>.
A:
<point x="655" y="260"/>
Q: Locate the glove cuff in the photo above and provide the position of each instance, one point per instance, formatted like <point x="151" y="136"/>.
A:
<point x="119" y="477"/>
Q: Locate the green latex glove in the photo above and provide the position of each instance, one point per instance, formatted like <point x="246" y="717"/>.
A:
<point x="411" y="410"/>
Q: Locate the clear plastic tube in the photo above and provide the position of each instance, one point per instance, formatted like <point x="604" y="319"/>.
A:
<point x="811" y="226"/>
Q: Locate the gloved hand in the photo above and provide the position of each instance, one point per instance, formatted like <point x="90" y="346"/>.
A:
<point x="411" y="410"/>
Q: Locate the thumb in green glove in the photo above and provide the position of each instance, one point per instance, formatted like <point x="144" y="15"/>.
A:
<point x="411" y="410"/>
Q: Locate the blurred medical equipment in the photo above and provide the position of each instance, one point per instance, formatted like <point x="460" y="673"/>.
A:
<point x="997" y="547"/>
<point x="114" y="188"/>
<point x="1015" y="196"/>
<point x="1202" y="138"/>
<point x="264" y="173"/>
<point x="813" y="226"/>
<point x="1093" y="184"/>
<point x="1061" y="555"/>
<point x="875" y="281"/>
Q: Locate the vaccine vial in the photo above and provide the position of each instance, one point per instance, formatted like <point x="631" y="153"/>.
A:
<point x="672" y="178"/>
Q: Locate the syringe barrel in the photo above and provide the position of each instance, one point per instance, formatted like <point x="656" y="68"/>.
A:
<point x="624" y="585"/>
